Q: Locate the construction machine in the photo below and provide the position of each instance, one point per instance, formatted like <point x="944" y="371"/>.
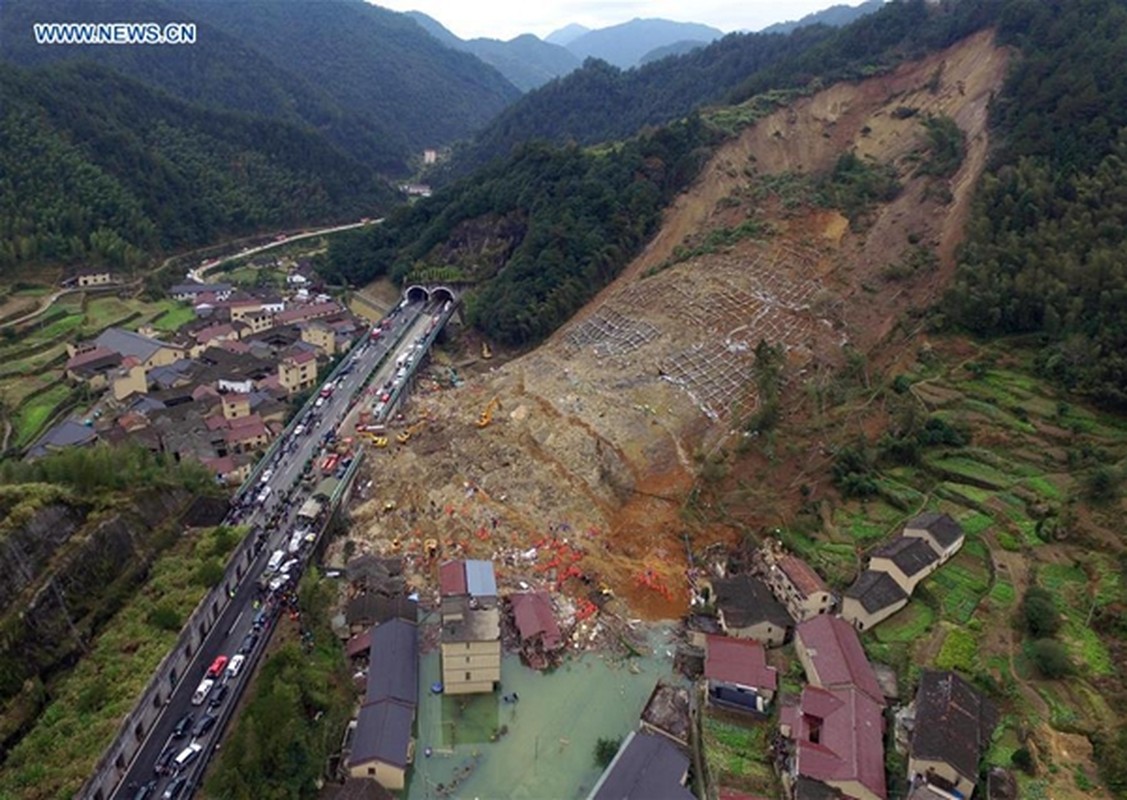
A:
<point x="379" y="441"/>
<point x="487" y="413"/>
<point x="406" y="435"/>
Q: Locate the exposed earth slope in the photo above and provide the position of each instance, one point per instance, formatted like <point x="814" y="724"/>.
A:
<point x="600" y="432"/>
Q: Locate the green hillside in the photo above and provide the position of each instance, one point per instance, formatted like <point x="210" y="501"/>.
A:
<point x="94" y="166"/>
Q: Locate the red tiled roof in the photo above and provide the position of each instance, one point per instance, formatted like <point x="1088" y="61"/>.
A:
<point x="233" y="346"/>
<point x="301" y="357"/>
<point x="220" y="466"/>
<point x="205" y="335"/>
<point x="837" y="656"/>
<point x="452" y="578"/>
<point x="741" y="661"/>
<point x="534" y="616"/>
<point x="359" y="644"/>
<point x="204" y="391"/>
<point x="88" y="356"/>
<point x="244" y="422"/>
<point x="245" y="433"/>
<point x="311" y="311"/>
<point x="804" y="578"/>
<point x="850" y="740"/>
<point x="216" y="422"/>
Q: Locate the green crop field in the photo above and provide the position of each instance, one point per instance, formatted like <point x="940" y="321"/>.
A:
<point x="961" y="583"/>
<point x="739" y="756"/>
<point x="33" y="414"/>
<point x="906" y="625"/>
<point x="172" y="315"/>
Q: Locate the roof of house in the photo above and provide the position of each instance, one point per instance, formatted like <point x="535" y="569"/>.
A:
<point x="476" y="624"/>
<point x="452" y="578"/>
<point x="299" y="313"/>
<point x="128" y="343"/>
<point x="90" y="356"/>
<point x="67" y="433"/>
<point x="372" y="608"/>
<point x="535" y="617"/>
<point x="941" y="526"/>
<point x="205" y="335"/>
<point x="220" y="466"/>
<point x="954" y="722"/>
<point x="383" y="733"/>
<point x="393" y="671"/>
<point x="849" y="745"/>
<point x="838" y="659"/>
<point x="360" y="644"/>
<point x="876" y="590"/>
<point x="373" y="569"/>
<point x="911" y="555"/>
<point x="802" y="575"/>
<point x="199" y="288"/>
<point x="92" y="366"/>
<point x="747" y="601"/>
<point x="646" y="766"/>
<point x="668" y="710"/>
<point x="472" y="577"/>
<point x="301" y="357"/>
<point x="480" y="580"/>
<point x="740" y="661"/>
<point x="361" y="789"/>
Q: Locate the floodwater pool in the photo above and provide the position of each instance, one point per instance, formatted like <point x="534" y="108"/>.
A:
<point x="541" y="746"/>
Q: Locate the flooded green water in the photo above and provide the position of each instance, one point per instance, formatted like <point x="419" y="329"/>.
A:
<point x="547" y="752"/>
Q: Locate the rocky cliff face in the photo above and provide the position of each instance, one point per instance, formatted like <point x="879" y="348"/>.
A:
<point x="65" y="570"/>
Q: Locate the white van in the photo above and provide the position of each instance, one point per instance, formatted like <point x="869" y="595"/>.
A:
<point x="187" y="756"/>
<point x="275" y="560"/>
<point x="202" y="691"/>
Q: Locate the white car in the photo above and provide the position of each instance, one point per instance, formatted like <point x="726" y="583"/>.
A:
<point x="202" y="691"/>
<point x="236" y="666"/>
<point x="264" y="495"/>
<point x="300" y="429"/>
<point x="266" y="476"/>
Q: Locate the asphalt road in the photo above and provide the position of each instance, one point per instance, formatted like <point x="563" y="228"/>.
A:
<point x="274" y="519"/>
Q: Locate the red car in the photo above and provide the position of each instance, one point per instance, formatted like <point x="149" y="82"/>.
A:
<point x="216" y="668"/>
<point x="385" y="397"/>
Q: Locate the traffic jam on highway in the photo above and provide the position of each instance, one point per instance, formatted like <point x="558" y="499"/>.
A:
<point x="282" y="506"/>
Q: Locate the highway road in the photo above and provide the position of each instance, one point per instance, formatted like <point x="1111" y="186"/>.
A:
<point x="199" y="273"/>
<point x="272" y="518"/>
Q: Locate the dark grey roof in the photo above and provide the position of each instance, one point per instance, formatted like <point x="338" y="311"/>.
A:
<point x="954" y="722"/>
<point x="944" y="529"/>
<point x="393" y="663"/>
<point x="144" y="404"/>
<point x="67" y="433"/>
<point x="910" y="554"/>
<point x="810" y="789"/>
<point x="375" y="608"/>
<point x="875" y="590"/>
<point x="646" y="766"/>
<point x="128" y="343"/>
<point x="383" y="733"/>
<point x="747" y="601"/>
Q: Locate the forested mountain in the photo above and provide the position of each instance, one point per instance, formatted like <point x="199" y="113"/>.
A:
<point x="537" y="235"/>
<point x="624" y="45"/>
<point x="675" y="49"/>
<point x="834" y="16"/>
<point x="600" y="102"/>
<point x="525" y="61"/>
<point x="368" y="79"/>
<point x="97" y="167"/>
<point x="1047" y="246"/>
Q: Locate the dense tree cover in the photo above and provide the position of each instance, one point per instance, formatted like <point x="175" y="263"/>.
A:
<point x="96" y="167"/>
<point x="600" y="102"/>
<point x="370" y="80"/>
<point x="1047" y="241"/>
<point x="581" y="216"/>
<point x="87" y="470"/>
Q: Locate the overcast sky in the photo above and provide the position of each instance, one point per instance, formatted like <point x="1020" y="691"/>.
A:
<point x="504" y="19"/>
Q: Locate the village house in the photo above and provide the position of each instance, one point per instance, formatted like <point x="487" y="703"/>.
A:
<point x="190" y="292"/>
<point x="92" y="367"/>
<point x="940" y="531"/>
<point x="874" y="596"/>
<point x="297" y="372"/>
<point x="737" y="674"/>
<point x="148" y="352"/>
<point x="952" y="727"/>
<point x="646" y="766"/>
<point x="796" y="585"/>
<point x="836" y="743"/>
<point x="668" y="713"/>
<point x="907" y="559"/>
<point x="93" y="278"/>
<point x="381" y="745"/>
<point x="471" y="627"/>
<point x="832" y="656"/>
<point x="129" y="379"/>
<point x="67" y="433"/>
<point x="535" y="620"/>
<point x="747" y="610"/>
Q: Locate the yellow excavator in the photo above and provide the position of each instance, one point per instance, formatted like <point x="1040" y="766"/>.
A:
<point x="406" y="435"/>
<point x="486" y="352"/>
<point x="487" y="413"/>
<point x="379" y="441"/>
